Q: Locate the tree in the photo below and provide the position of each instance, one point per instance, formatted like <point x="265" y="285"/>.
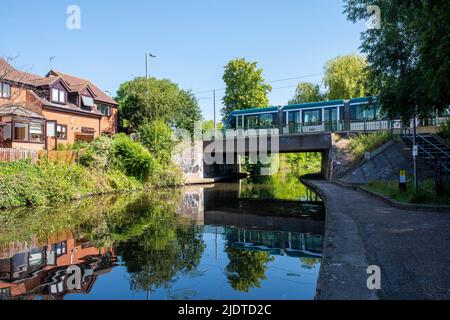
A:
<point x="408" y="57"/>
<point x="306" y="92"/>
<point x="245" y="87"/>
<point x="208" y="125"/>
<point x="157" y="138"/>
<point x="145" y="100"/>
<point x="345" y="77"/>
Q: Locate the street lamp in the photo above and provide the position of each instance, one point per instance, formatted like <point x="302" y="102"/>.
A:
<point x="147" y="55"/>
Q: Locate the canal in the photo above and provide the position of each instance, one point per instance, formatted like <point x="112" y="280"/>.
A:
<point x="259" y="238"/>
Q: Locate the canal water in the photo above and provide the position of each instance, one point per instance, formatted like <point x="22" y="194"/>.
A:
<point x="259" y="238"/>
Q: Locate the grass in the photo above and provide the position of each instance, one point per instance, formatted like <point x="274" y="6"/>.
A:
<point x="424" y="195"/>
<point x="367" y="142"/>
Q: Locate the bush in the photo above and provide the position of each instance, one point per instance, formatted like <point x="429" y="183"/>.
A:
<point x="25" y="184"/>
<point x="98" y="154"/>
<point x="80" y="144"/>
<point x="132" y="158"/>
<point x="157" y="138"/>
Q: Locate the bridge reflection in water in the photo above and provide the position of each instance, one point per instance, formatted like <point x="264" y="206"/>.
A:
<point x="218" y="242"/>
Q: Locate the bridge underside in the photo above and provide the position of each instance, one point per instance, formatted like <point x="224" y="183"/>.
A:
<point x="221" y="157"/>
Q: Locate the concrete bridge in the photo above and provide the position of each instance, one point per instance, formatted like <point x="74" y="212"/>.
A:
<point x="225" y="151"/>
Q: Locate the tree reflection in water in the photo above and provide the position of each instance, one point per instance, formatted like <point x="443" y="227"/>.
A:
<point x="155" y="242"/>
<point x="246" y="268"/>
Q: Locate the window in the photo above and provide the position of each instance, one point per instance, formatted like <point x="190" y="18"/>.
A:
<point x="51" y="129"/>
<point x="61" y="248"/>
<point x="36" y="132"/>
<point x="58" y="95"/>
<point x="28" y="132"/>
<point x="363" y="112"/>
<point x="88" y="102"/>
<point x="61" y="132"/>
<point x="5" y="90"/>
<point x="21" y="132"/>
<point x="266" y="120"/>
<point x="312" y="117"/>
<point x="104" y="109"/>
<point x="7" y="132"/>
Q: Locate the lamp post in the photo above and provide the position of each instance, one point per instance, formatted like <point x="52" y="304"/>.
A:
<point x="147" y="55"/>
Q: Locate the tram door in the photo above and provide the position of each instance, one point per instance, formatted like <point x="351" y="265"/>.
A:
<point x="330" y="119"/>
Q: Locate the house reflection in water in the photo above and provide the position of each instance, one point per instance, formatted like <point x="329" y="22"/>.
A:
<point x="30" y="270"/>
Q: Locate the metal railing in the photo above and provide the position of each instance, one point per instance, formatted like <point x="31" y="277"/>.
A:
<point x="360" y="126"/>
<point x="435" y="155"/>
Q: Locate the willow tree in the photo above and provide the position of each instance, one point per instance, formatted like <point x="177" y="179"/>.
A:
<point x="245" y="86"/>
<point x="345" y="77"/>
<point x="306" y="92"/>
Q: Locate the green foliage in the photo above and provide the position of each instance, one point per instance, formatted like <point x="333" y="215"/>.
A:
<point x="368" y="142"/>
<point x="80" y="144"/>
<point x="445" y="130"/>
<point x="132" y="158"/>
<point x="245" y="87"/>
<point x="246" y="268"/>
<point x="146" y="100"/>
<point x="208" y="125"/>
<point x="285" y="184"/>
<point x="98" y="154"/>
<point x="409" y="59"/>
<point x="306" y="92"/>
<point x="424" y="195"/>
<point x="157" y="137"/>
<point x="345" y="77"/>
<point x="26" y="184"/>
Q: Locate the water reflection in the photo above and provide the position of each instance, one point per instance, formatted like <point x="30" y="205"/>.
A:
<point x="218" y="242"/>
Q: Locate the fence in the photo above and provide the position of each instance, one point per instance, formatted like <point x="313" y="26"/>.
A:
<point x="11" y="155"/>
<point x="63" y="156"/>
<point x="14" y="154"/>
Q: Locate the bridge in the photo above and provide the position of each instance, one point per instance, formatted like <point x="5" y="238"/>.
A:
<point x="219" y="156"/>
<point x="225" y="151"/>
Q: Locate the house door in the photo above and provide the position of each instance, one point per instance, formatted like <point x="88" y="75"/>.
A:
<point x="330" y="119"/>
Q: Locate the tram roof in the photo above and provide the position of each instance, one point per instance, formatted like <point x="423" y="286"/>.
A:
<point x="255" y="110"/>
<point x="314" y="104"/>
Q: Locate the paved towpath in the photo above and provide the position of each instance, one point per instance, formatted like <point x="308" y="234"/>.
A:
<point x="412" y="248"/>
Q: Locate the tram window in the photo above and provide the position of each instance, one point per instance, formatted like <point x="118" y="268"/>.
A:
<point x="252" y="122"/>
<point x="231" y="123"/>
<point x="294" y="117"/>
<point x="312" y="117"/>
<point x="363" y="112"/>
<point x="239" y="122"/>
<point x="266" y="120"/>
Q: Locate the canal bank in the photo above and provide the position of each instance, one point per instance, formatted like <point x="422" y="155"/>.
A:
<point x="412" y="248"/>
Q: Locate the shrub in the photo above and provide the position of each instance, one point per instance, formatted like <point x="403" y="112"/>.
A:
<point x="98" y="154"/>
<point x="25" y="184"/>
<point x="157" y="138"/>
<point x="368" y="142"/>
<point x="80" y="144"/>
<point x="132" y="158"/>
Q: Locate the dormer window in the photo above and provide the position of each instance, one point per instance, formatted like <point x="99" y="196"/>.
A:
<point x="58" y="95"/>
<point x="5" y="90"/>
<point x="88" y="102"/>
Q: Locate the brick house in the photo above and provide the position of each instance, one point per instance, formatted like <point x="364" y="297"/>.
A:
<point x="40" y="112"/>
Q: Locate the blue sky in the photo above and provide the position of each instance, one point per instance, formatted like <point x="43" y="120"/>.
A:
<point x="193" y="40"/>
